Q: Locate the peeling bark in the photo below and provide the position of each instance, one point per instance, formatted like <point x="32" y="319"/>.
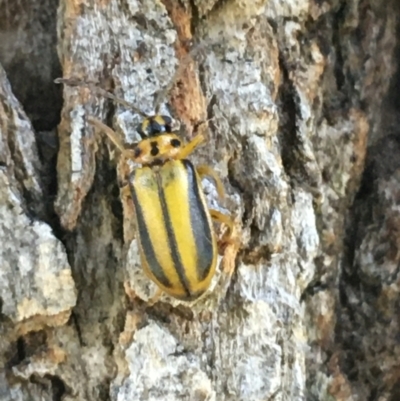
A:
<point x="302" y="130"/>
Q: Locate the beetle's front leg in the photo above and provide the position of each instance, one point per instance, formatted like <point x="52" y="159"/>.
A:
<point x="114" y="138"/>
<point x="186" y="150"/>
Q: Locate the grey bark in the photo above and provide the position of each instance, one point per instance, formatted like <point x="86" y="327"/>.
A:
<point x="302" y="103"/>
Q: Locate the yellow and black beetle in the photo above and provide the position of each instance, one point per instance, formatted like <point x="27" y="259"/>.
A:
<point x="177" y="242"/>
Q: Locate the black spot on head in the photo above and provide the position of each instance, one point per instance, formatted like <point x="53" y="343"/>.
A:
<point x="154" y="148"/>
<point x="175" y="143"/>
<point x="137" y="152"/>
<point x="167" y="123"/>
<point x="155" y="128"/>
<point x="159" y="125"/>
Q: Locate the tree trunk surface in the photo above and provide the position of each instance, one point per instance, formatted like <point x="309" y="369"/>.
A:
<point x="302" y="110"/>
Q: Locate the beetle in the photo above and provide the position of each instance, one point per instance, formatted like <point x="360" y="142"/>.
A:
<point x="177" y="242"/>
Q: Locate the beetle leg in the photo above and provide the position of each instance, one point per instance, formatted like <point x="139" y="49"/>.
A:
<point x="125" y="190"/>
<point x="191" y="146"/>
<point x="224" y="219"/>
<point x="155" y="298"/>
<point x="229" y="260"/>
<point x="230" y="243"/>
<point x="231" y="246"/>
<point x="229" y="238"/>
<point x="112" y="135"/>
<point x="206" y="171"/>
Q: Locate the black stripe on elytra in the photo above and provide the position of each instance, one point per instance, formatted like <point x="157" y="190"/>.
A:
<point x="200" y="224"/>
<point x="145" y="241"/>
<point x="173" y="245"/>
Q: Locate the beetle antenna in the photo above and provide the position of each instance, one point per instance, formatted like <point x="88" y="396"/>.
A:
<point x="161" y="94"/>
<point x="96" y="89"/>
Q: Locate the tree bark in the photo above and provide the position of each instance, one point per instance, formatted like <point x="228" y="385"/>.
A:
<point x="301" y="104"/>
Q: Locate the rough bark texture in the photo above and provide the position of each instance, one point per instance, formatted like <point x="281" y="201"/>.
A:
<point x="302" y="103"/>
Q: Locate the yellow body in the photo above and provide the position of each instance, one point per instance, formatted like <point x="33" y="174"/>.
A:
<point x="177" y="243"/>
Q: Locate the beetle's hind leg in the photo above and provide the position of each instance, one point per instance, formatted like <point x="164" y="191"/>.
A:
<point x="229" y="246"/>
<point x="206" y="171"/>
<point x="155" y="298"/>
